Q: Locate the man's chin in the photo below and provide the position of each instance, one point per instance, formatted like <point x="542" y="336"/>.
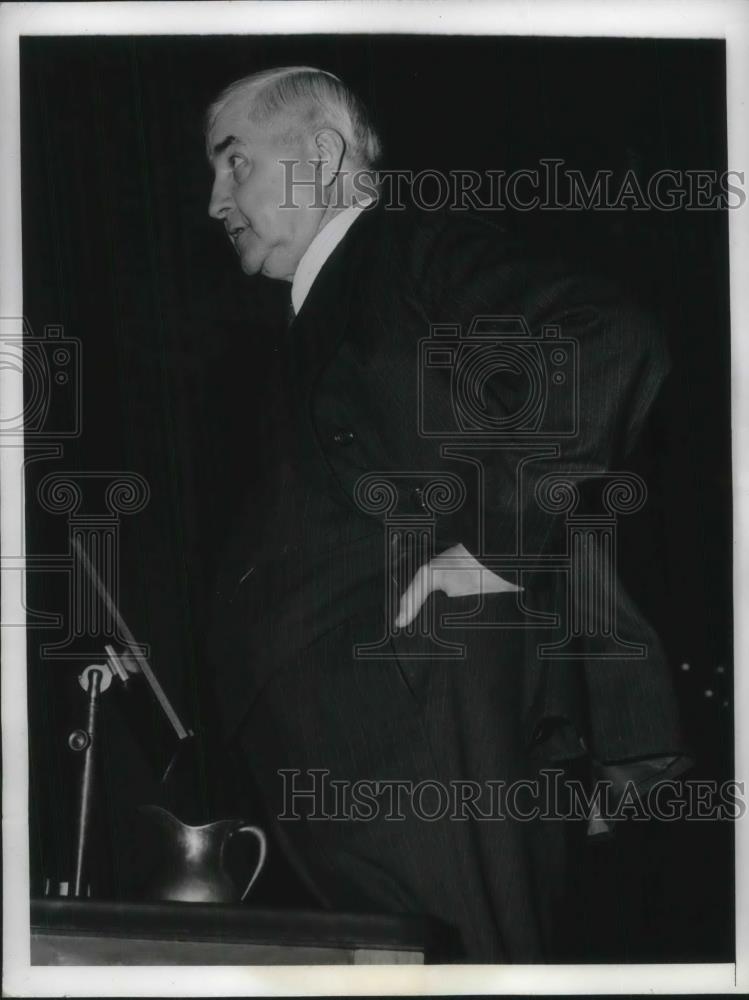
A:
<point x="269" y="265"/>
<point x="250" y="265"/>
<point x="253" y="266"/>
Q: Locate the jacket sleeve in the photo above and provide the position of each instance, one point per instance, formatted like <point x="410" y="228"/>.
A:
<point x="562" y="386"/>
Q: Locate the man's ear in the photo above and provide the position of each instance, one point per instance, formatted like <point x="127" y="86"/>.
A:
<point x="331" y="148"/>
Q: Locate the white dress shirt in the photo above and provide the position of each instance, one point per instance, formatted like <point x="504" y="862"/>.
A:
<point x="321" y="247"/>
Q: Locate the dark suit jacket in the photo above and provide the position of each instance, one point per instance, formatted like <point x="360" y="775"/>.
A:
<point x="355" y="360"/>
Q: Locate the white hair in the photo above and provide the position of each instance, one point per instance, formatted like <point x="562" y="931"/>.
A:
<point x="313" y="98"/>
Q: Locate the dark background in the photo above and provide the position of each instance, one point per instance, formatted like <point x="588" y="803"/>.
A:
<point x="177" y="374"/>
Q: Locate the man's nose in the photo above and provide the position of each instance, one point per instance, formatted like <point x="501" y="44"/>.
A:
<point x="220" y="202"/>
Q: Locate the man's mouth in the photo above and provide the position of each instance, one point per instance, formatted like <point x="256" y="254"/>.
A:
<point x="235" y="234"/>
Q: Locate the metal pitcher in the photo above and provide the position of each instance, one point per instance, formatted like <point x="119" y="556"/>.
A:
<point x="191" y="859"/>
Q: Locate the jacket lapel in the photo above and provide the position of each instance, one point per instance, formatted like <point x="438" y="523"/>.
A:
<point x="315" y="335"/>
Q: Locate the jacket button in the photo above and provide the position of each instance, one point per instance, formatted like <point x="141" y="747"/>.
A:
<point x="343" y="437"/>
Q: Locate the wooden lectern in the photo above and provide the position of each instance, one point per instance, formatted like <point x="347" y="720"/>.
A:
<point x="80" y="932"/>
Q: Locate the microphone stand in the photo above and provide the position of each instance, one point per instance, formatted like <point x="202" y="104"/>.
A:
<point x="95" y="680"/>
<point x="86" y="741"/>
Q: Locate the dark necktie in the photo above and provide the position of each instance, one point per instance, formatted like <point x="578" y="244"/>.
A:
<point x="290" y="312"/>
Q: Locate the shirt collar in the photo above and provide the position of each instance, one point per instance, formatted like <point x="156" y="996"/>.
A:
<point x="321" y="247"/>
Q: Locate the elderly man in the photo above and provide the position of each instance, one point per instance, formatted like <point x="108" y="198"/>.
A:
<point x="330" y="658"/>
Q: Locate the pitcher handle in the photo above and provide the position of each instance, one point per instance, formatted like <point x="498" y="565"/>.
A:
<point x="263" y="843"/>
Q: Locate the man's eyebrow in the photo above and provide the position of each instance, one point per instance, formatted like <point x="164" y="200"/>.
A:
<point x="224" y="144"/>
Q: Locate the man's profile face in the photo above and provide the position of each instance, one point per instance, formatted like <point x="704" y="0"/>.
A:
<point x="250" y="186"/>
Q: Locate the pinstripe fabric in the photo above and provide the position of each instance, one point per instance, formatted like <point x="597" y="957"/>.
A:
<point x="498" y="884"/>
<point x="290" y="686"/>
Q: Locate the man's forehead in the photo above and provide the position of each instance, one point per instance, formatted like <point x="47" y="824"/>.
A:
<point x="230" y="125"/>
<point x="233" y="124"/>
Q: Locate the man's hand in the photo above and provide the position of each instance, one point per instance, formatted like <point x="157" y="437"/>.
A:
<point x="454" y="571"/>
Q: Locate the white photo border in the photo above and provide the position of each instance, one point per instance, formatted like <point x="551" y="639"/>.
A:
<point x="725" y="19"/>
